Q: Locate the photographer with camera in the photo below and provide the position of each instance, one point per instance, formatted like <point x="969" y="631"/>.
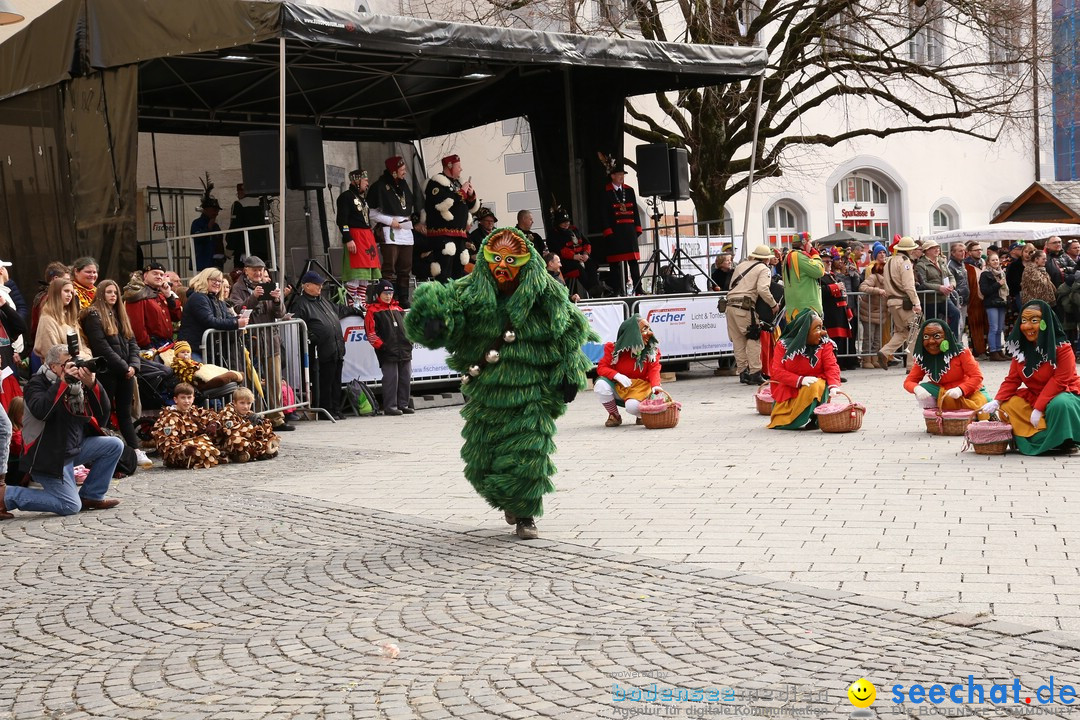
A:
<point x="66" y="408"/>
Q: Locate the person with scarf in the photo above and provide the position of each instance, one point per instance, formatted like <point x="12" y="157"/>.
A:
<point x="516" y="339"/>
<point x="835" y="312"/>
<point x="872" y="310"/>
<point x="360" y="265"/>
<point x="393" y="207"/>
<point x="629" y="371"/>
<point x="801" y="272"/>
<point x="803" y="371"/>
<point x="943" y="374"/>
<point x="84" y="274"/>
<point x="1039" y="396"/>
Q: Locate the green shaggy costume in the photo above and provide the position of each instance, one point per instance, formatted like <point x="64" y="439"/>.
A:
<point x="513" y="402"/>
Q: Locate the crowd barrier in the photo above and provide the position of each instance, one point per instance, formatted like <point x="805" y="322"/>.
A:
<point x="267" y="354"/>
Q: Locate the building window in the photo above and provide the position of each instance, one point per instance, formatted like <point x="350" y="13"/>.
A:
<point x="861" y="205"/>
<point x="1000" y="209"/>
<point x="942" y="219"/>
<point x="927" y="30"/>
<point x="1003" y="43"/>
<point x="783" y="221"/>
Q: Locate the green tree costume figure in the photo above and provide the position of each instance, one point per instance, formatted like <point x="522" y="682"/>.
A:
<point x="516" y="338"/>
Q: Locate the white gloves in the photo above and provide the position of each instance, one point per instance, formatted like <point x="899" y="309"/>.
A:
<point x="622" y="380"/>
<point x="954" y="393"/>
<point x="990" y="407"/>
<point x="921" y="394"/>
<point x="808" y="381"/>
<point x="1036" y="416"/>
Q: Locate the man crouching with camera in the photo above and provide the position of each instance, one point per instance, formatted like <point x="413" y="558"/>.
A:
<point x="66" y="408"/>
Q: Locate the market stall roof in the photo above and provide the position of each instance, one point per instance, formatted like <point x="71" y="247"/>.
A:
<point x="211" y="66"/>
<point x="1045" y="201"/>
<point x="999" y="232"/>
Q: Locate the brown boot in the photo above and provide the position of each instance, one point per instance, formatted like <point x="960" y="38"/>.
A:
<point x="613" y="420"/>
<point x="4" y="514"/>
<point x="868" y="363"/>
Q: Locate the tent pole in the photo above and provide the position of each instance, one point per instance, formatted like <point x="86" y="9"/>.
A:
<point x="753" y="154"/>
<point x="281" y="163"/>
<point x="580" y="213"/>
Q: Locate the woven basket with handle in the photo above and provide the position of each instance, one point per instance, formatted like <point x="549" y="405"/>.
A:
<point x="763" y="399"/>
<point x="948" y="422"/>
<point x="839" y="417"/>
<point x="660" y="412"/>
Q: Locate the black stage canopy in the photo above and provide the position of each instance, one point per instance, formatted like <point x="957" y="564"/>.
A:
<point x="212" y="67"/>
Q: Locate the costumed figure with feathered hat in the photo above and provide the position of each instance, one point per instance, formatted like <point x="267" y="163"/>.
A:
<point x="209" y="249"/>
<point x="622" y="226"/>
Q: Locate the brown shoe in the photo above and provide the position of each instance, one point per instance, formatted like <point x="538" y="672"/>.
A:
<point x="509" y="517"/>
<point x="613" y="420"/>
<point x="4" y="514"/>
<point x="883" y="360"/>
<point x="526" y="529"/>
<point x="103" y="504"/>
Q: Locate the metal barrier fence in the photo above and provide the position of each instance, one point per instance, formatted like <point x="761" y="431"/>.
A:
<point x="267" y="354"/>
<point x="179" y="251"/>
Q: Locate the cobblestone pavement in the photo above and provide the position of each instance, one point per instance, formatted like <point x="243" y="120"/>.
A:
<point x="889" y="511"/>
<point x="213" y="594"/>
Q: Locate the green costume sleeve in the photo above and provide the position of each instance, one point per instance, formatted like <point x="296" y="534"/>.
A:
<point x="435" y="318"/>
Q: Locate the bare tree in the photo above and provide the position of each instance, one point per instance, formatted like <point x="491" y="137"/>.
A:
<point x="898" y="66"/>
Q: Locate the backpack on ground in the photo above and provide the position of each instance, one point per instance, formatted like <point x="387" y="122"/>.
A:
<point x="359" y="399"/>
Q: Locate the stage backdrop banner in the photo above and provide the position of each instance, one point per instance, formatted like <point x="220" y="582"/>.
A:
<point x="605" y="318"/>
<point x="360" y="360"/>
<point x="686" y="326"/>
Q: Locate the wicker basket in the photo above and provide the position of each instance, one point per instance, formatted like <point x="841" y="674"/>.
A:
<point x="763" y="399"/>
<point x="988" y="437"/>
<point x="659" y="414"/>
<point x="837" y="417"/>
<point x="949" y="422"/>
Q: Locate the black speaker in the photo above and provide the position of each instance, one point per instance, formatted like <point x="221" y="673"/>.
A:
<point x="259" y="161"/>
<point x="653" y="170"/>
<point x="679" y="174"/>
<point x="304" y="157"/>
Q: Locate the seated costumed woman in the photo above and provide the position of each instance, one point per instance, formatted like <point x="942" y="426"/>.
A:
<point x="1039" y="395"/>
<point x="803" y="371"/>
<point x="943" y="374"/>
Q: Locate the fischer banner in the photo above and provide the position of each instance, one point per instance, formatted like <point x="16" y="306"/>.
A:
<point x="686" y="326"/>
<point x="361" y="363"/>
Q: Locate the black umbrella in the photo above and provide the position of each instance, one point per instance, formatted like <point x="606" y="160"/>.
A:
<point x="847" y="236"/>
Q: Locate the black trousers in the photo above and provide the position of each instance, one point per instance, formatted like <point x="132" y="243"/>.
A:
<point x="121" y="391"/>
<point x="326" y="383"/>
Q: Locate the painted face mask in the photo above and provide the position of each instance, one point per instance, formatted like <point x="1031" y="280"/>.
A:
<point x="1031" y="322"/>
<point x="506" y="253"/>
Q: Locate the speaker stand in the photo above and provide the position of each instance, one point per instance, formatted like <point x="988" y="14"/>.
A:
<point x="657" y="254"/>
<point x="680" y="254"/>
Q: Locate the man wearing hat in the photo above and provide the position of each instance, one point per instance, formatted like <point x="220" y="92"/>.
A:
<point x="209" y="249"/>
<point x="902" y="300"/>
<point x="802" y="271"/>
<point x="749" y="285"/>
<point x="392" y="206"/>
<point x="152" y="306"/>
<point x="447" y="204"/>
<point x="326" y="346"/>
<point x="485" y="223"/>
<point x="361" y="262"/>
<point x="622" y="228"/>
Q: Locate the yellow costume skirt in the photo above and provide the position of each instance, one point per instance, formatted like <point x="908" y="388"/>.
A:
<point x="974" y="401"/>
<point x="639" y="390"/>
<point x="1017" y="412"/>
<point x="798" y="412"/>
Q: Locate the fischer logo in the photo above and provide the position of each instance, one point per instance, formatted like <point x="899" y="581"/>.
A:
<point x="670" y="316"/>
<point x="355" y="333"/>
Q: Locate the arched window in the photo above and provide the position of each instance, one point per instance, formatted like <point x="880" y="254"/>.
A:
<point x="943" y="218"/>
<point x="783" y="221"/>
<point x="1000" y="209"/>
<point x="861" y="205"/>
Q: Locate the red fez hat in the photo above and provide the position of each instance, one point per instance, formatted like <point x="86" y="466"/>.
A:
<point x="394" y="163"/>
<point x="450" y="160"/>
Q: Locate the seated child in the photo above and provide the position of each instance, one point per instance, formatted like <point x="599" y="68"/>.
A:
<point x="246" y="436"/>
<point x="182" y="433"/>
<point x="203" y="376"/>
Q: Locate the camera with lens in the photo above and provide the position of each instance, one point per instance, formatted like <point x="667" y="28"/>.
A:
<point x="94" y="364"/>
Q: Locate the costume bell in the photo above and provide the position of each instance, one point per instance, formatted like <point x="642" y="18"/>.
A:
<point x="943" y="374"/>
<point x="1039" y="396"/>
<point x="516" y="339"/>
<point x="803" y="372"/>
<point x="629" y="371"/>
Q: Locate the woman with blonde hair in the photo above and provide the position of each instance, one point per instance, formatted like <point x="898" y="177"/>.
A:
<point x="59" y="316"/>
<point x="108" y="333"/>
<point x="206" y="309"/>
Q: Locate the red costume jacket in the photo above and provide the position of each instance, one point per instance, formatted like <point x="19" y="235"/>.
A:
<point x="963" y="372"/>
<point x="786" y="374"/>
<point x="152" y="316"/>
<point x="650" y="370"/>
<point x="1046" y="382"/>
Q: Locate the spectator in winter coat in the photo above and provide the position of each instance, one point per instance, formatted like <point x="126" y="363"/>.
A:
<point x="205" y="309"/>
<point x="152" y="306"/>
<point x="385" y="326"/>
<point x="326" y="346"/>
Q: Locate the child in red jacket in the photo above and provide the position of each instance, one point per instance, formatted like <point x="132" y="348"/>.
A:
<point x="629" y="372"/>
<point x="385" y="326"/>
